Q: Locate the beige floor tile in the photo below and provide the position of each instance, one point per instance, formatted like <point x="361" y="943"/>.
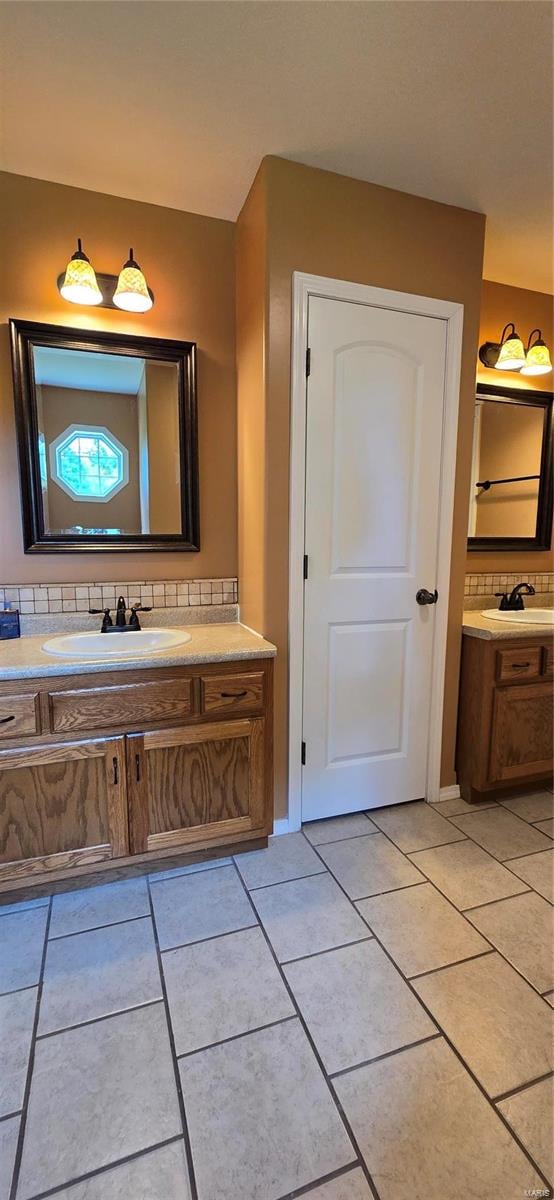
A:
<point x="365" y="866"/>
<point x="550" y="998"/>
<point x="21" y="946"/>
<point x="261" y="1120"/>
<point x="72" y="912"/>
<point x="522" y="929"/>
<point x="531" y="1115"/>
<point x="335" y="829"/>
<point x="90" y="975"/>
<point x="222" y="987"/>
<point x="157" y="1175"/>
<point x="502" y="833"/>
<point x="420" y="929"/>
<point x="537" y="870"/>
<point x="467" y="874"/>
<point x="452" y="808"/>
<point x="502" y="1029"/>
<point x="99" y="1093"/>
<point x="546" y="827"/>
<point x="427" y="1132"/>
<point x="9" y="1131"/>
<point x="17" y="1016"/>
<point x="532" y="806"/>
<point x="287" y="857"/>
<point x="305" y="916"/>
<point x="190" y="908"/>
<point x="356" y="1005"/>
<point x="350" y="1186"/>
<point x="415" y="826"/>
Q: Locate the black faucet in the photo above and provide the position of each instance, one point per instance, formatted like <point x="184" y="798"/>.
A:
<point x="120" y="621"/>
<point x="514" y="602"/>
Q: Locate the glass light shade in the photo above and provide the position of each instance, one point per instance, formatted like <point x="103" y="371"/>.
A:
<point x="512" y="355"/>
<point x="132" y="292"/>
<point x="537" y="361"/>
<point x="79" y="285"/>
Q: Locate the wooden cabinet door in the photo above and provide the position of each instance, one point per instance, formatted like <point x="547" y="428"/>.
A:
<point x="521" y="743"/>
<point x="62" y="806"/>
<point x="190" y="785"/>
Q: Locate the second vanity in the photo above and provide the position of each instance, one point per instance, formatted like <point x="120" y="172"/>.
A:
<point x="110" y="766"/>
<point x="506" y="705"/>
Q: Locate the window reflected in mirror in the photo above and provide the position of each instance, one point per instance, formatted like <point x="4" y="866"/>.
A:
<point x="511" y="468"/>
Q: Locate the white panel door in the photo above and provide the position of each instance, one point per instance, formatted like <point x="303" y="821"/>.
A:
<point x="373" y="455"/>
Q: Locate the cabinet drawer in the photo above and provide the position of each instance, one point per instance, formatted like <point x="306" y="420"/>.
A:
<point x="134" y="705"/>
<point x="233" y="693"/>
<point x="18" y="715"/>
<point x="518" y="664"/>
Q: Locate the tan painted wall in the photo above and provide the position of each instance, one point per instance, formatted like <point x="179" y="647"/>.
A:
<point x="334" y="226"/>
<point x="164" y="472"/>
<point x="500" y="304"/>
<point x="62" y="407"/>
<point x="189" y="263"/>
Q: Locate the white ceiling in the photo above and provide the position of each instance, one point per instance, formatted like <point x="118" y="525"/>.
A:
<point x="176" y="103"/>
<point x="87" y="371"/>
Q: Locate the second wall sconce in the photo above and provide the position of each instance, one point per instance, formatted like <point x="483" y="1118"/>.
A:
<point x="80" y="284"/>
<point x="509" y="354"/>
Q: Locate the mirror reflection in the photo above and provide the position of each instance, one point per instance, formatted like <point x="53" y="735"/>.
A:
<point x="507" y="451"/>
<point x="108" y="442"/>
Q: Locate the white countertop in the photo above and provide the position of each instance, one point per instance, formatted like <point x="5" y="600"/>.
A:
<point x="24" y="658"/>
<point x="475" y="625"/>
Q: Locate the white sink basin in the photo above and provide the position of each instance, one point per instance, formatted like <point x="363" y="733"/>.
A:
<point x="529" y="616"/>
<point x="137" y="643"/>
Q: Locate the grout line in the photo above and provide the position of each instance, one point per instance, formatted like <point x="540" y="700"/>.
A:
<point x="170" y="878"/>
<point x="31" y="987"/>
<point x="121" y="1012"/>
<point x="456" y="1052"/>
<point x="359" y="1160"/>
<point x="58" y="937"/>
<point x="522" y="1087"/>
<point x="487" y="903"/>
<point x="529" y="854"/>
<point x="118" y="1162"/>
<point x="438" y="846"/>
<point x="432" y="1037"/>
<point x="457" y="962"/>
<point x="30" y="1063"/>
<point x="308" y="1188"/>
<point x="180" y="1097"/>
<point x="10" y="1115"/>
<point x="328" y="949"/>
<point x="294" y="879"/>
<point x="351" y="837"/>
<point x="213" y="938"/>
<point x="235" y="1037"/>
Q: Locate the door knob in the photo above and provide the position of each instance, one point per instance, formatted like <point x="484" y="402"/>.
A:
<point x="425" y="597"/>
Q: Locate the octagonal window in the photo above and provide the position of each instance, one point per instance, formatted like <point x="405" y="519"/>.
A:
<point x="89" y="463"/>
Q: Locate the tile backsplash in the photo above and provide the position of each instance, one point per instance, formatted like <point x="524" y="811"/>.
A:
<point x="45" y="598"/>
<point x="487" y="583"/>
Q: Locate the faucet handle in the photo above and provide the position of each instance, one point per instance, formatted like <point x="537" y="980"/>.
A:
<point x="140" y="608"/>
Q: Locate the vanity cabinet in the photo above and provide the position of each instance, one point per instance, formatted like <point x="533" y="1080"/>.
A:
<point x="506" y="714"/>
<point x="117" y="768"/>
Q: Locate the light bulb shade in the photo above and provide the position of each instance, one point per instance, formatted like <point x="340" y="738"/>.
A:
<point x="79" y="285"/>
<point x="537" y="361"/>
<point x="132" y="292"/>
<point x="512" y="354"/>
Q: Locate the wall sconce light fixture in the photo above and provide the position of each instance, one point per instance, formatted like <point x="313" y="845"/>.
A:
<point x="509" y="355"/>
<point x="80" y="284"/>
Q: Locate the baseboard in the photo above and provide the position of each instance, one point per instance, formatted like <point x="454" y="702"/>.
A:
<point x="281" y="825"/>
<point x="452" y="792"/>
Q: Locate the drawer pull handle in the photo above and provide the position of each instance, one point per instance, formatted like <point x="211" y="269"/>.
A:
<point x="137" y="767"/>
<point x="115" y="771"/>
<point x="520" y="666"/>
<point x="234" y="695"/>
<point x="4" y="720"/>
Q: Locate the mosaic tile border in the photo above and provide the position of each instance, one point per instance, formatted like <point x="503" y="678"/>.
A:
<point x="486" y="583"/>
<point x="38" y="599"/>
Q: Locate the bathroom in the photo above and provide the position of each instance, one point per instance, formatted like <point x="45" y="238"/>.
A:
<point x="276" y="817"/>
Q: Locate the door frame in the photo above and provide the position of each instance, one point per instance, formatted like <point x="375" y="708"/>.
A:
<point x="303" y="287"/>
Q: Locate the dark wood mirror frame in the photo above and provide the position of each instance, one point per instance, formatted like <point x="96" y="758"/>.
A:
<point x="543" y="532"/>
<point x="27" y="334"/>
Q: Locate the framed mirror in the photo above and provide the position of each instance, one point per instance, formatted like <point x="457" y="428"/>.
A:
<point x="510" y="505"/>
<point x="107" y="440"/>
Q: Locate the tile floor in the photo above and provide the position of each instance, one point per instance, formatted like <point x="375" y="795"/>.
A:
<point x="364" y="1010"/>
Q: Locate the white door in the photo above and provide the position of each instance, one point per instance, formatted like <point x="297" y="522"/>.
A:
<point x="373" y="459"/>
